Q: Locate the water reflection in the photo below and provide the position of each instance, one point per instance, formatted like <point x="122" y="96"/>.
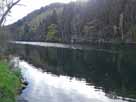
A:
<point x="45" y="87"/>
<point x="67" y="46"/>
<point x="114" y="73"/>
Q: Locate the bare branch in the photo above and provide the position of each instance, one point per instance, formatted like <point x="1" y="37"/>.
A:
<point x="8" y="6"/>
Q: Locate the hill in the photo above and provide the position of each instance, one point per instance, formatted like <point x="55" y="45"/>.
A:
<point x="79" y="22"/>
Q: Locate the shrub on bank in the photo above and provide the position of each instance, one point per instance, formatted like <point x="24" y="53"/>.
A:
<point x="9" y="83"/>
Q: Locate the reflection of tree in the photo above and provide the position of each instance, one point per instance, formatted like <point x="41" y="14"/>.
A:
<point x="114" y="72"/>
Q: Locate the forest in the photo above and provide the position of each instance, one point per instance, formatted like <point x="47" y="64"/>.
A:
<point x="79" y="22"/>
<point x="65" y="52"/>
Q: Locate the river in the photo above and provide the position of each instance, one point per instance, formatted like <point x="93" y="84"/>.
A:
<point x="74" y="74"/>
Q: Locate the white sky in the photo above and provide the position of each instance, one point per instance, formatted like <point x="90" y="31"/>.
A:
<point x="30" y="5"/>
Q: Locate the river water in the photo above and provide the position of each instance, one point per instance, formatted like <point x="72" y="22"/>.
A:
<point x="46" y="87"/>
<point x="72" y="74"/>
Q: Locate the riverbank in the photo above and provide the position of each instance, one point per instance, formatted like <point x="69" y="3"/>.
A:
<point x="9" y="83"/>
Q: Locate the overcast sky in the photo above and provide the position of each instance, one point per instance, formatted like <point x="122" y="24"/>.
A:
<point x="30" y="5"/>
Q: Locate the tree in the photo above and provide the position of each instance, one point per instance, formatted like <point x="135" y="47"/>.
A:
<point x="5" y="8"/>
<point x="54" y="17"/>
<point x="52" y="32"/>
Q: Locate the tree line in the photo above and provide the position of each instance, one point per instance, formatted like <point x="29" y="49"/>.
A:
<point x="78" y="22"/>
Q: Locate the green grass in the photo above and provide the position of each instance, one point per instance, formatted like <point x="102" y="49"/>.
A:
<point x="9" y="83"/>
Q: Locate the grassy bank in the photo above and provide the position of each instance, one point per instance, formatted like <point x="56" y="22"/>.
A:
<point x="9" y="83"/>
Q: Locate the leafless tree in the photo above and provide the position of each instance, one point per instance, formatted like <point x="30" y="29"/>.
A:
<point x="5" y="8"/>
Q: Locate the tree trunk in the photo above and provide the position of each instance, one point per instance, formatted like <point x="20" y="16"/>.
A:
<point x="121" y="22"/>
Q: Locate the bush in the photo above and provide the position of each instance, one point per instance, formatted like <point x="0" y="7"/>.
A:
<point x="9" y="83"/>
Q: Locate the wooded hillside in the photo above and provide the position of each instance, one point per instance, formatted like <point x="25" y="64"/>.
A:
<point x="78" y="22"/>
